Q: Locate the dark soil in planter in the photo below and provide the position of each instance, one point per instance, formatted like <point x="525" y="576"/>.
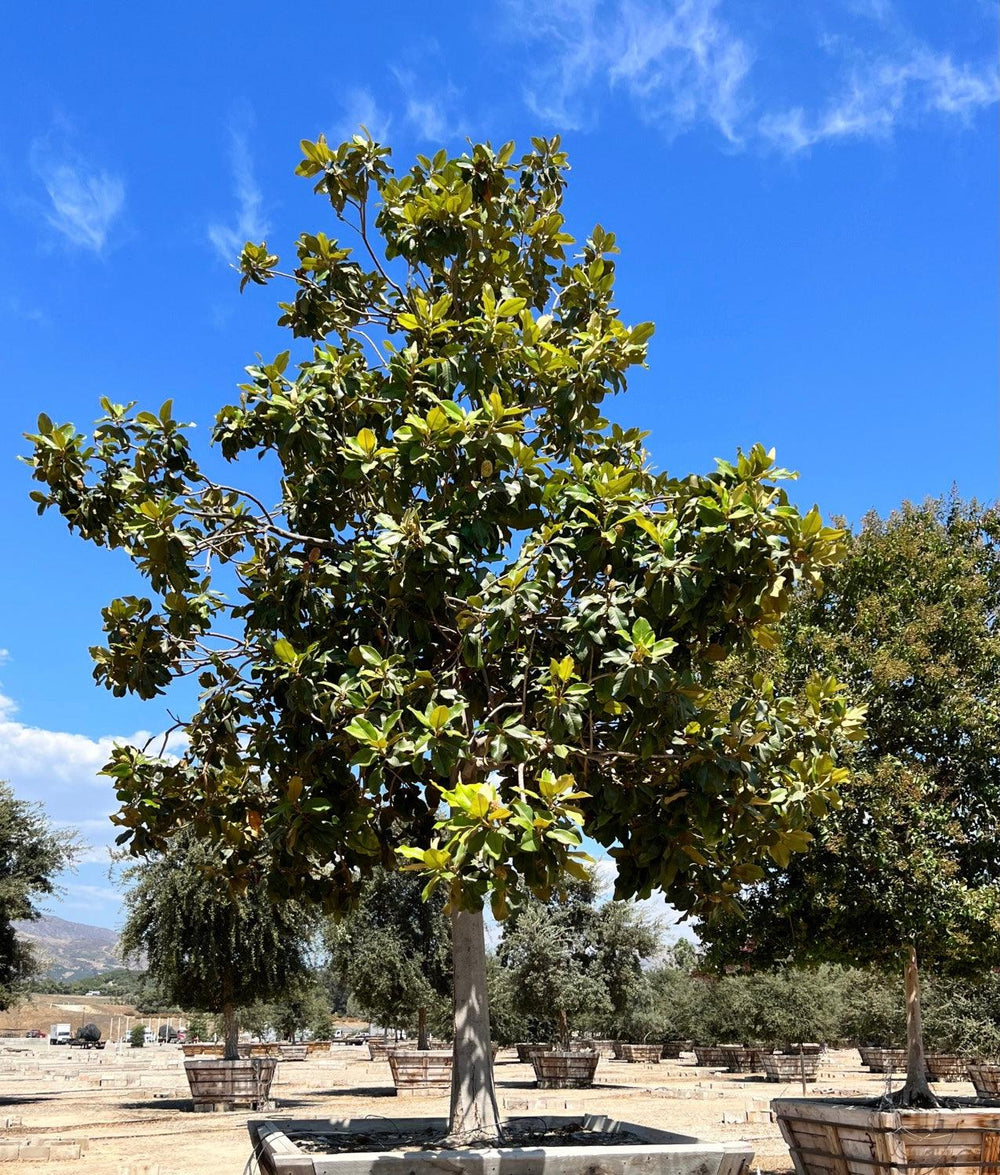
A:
<point x="432" y="1140"/>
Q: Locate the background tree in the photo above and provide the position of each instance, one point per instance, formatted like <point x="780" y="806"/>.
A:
<point x="470" y="618"/>
<point x="674" y="992"/>
<point x="572" y="962"/>
<point x="301" y="1008"/>
<point x="393" y="952"/>
<point x="197" y="1027"/>
<point x="623" y="943"/>
<point x="208" y="948"/>
<point x="874" y="1009"/>
<point x="547" y="949"/>
<point x="508" y="1024"/>
<point x="137" y="1036"/>
<point x="907" y="869"/>
<point x="32" y="854"/>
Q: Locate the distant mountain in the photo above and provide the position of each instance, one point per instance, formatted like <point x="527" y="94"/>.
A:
<point x="71" y="950"/>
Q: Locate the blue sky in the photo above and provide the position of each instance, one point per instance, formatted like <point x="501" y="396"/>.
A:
<point x="804" y="195"/>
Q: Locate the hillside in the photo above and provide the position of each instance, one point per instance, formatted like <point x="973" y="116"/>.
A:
<point x="71" y="950"/>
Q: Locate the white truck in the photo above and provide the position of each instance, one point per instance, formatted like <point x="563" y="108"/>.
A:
<point x="60" y="1033"/>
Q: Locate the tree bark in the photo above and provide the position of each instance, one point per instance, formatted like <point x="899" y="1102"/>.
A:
<point x="474" y="1117"/>
<point x="563" y="1029"/>
<point x="422" y="1028"/>
<point x="916" y="1090"/>
<point x="231" y="1033"/>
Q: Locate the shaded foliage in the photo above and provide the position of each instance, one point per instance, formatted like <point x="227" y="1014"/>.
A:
<point x="911" y="860"/>
<point x="32" y="854"/>
<point x="207" y="948"/>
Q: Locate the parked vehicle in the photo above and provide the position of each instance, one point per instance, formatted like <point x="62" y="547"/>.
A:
<point x="60" y="1033"/>
<point x="36" y="1034"/>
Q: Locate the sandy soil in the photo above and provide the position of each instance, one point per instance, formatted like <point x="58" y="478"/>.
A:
<point x="128" y="1113"/>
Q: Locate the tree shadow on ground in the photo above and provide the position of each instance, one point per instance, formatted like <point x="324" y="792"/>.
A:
<point x="16" y="1099"/>
<point x="359" y="1091"/>
<point x="185" y="1105"/>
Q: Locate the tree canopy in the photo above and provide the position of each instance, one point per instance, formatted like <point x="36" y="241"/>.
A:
<point x="32" y="854"/>
<point x="470" y="619"/>
<point x="393" y="952"/>
<point x="574" y="963"/>
<point x="207" y="948"/>
<point x="909" y="861"/>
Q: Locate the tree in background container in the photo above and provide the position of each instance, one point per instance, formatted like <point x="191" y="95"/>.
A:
<point x="874" y="1010"/>
<point x="673" y="996"/>
<point x="300" y="1008"/>
<point x="393" y="952"/>
<point x="471" y="622"/>
<point x="548" y="950"/>
<point x="206" y="947"/>
<point x="908" y="869"/>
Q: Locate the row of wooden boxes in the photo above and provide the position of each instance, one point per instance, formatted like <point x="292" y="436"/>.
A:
<point x="940" y="1067"/>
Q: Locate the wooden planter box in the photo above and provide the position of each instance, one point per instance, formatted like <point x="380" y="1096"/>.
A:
<point x="378" y="1047"/>
<point x="647" y="1054"/>
<point x="659" y="1152"/>
<point x="710" y="1056"/>
<point x="781" y="1067"/>
<point x="217" y="1084"/>
<point x="202" y="1050"/>
<point x="808" y="1049"/>
<point x="524" y="1051"/>
<point x="838" y="1135"/>
<point x="672" y="1049"/>
<point x="887" y="1060"/>
<point x="946" y="1066"/>
<point x="740" y="1059"/>
<point x="985" y="1077"/>
<point x="292" y="1052"/>
<point x="565" y="1070"/>
<point x="420" y="1072"/>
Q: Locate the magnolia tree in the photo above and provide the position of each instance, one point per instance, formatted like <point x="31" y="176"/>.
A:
<point x="470" y="623"/>
<point x="907" y="870"/>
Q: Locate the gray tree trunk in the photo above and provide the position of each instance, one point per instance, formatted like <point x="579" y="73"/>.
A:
<point x="422" y="1028"/>
<point x="916" y="1090"/>
<point x="474" y="1116"/>
<point x="231" y="1030"/>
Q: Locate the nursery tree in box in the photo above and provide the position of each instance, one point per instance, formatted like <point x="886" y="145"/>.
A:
<point x="908" y="869"/>
<point x="471" y="623"/>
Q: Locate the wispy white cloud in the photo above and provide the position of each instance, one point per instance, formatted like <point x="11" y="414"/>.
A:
<point x="61" y="769"/>
<point x="679" y="61"/>
<point x="431" y="110"/>
<point x="359" y="108"/>
<point x="685" y="64"/>
<point x="250" y="225"/>
<point x="882" y="95"/>
<point x="84" y="201"/>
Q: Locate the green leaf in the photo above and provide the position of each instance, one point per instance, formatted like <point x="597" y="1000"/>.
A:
<point x="285" y="652"/>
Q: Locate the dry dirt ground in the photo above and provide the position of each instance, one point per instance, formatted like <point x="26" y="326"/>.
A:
<point x="126" y="1112"/>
